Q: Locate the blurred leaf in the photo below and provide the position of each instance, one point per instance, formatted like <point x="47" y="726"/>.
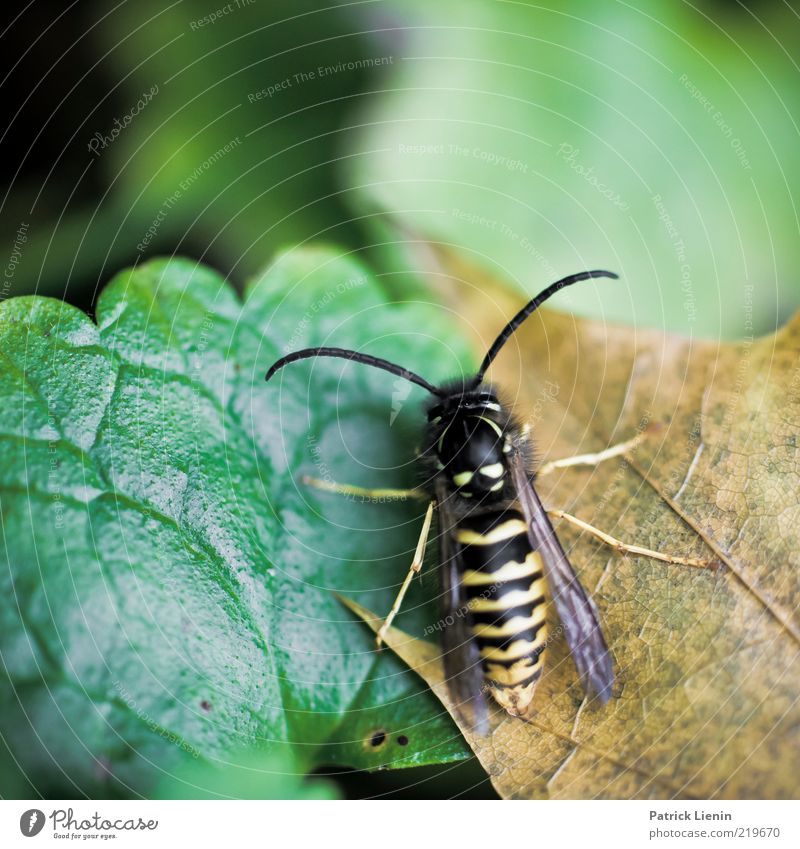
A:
<point x="707" y="665"/>
<point x="168" y="583"/>
<point x="658" y="139"/>
<point x="248" y="776"/>
<point x="247" y="125"/>
<point x="215" y="132"/>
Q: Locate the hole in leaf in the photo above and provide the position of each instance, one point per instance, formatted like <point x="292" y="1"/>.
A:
<point x="377" y="739"/>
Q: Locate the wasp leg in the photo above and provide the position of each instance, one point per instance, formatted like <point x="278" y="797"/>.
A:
<point x="590" y="459"/>
<point x="638" y="550"/>
<point x="363" y="492"/>
<point x="416" y="566"/>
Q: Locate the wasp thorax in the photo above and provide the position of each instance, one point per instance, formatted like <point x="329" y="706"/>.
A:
<point x="470" y="444"/>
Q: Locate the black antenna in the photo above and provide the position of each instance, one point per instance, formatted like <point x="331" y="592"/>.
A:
<point x="531" y="307"/>
<point x="366" y="359"/>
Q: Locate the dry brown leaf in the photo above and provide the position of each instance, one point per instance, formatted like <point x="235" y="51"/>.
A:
<point x="707" y="665"/>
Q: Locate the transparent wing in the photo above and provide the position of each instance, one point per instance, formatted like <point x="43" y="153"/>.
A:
<point x="575" y="608"/>
<point x="462" y="662"/>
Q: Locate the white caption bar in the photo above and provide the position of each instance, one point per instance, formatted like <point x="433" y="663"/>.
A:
<point x="391" y="825"/>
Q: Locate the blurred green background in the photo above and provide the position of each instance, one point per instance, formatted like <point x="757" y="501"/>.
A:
<point x="657" y="139"/>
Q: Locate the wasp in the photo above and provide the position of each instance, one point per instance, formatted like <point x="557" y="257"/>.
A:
<point x="500" y="561"/>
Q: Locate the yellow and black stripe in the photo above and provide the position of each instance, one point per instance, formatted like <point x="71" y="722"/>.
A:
<point x="506" y="591"/>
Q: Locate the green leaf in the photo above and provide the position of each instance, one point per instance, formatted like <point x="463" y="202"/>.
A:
<point x="247" y="776"/>
<point x="215" y="152"/>
<point x="169" y="582"/>
<point x="656" y="139"/>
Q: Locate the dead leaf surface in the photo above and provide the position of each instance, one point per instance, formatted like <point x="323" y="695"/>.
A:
<point x="707" y="665"/>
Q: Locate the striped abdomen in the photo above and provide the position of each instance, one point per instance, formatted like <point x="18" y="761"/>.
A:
<point x="505" y="587"/>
